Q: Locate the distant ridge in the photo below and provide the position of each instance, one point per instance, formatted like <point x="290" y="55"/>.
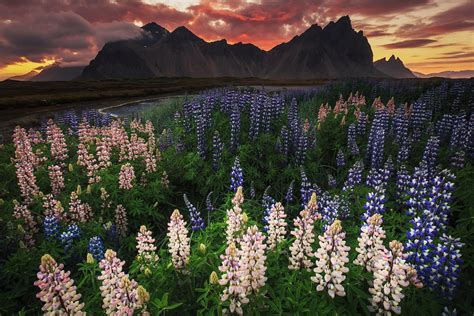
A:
<point x="335" y="51"/>
<point x="448" y="74"/>
<point x="393" y="67"/>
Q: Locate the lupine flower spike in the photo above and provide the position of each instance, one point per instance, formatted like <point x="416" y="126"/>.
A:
<point x="179" y="243"/>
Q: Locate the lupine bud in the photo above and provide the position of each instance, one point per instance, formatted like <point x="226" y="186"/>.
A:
<point x="202" y="248"/>
<point x="213" y="278"/>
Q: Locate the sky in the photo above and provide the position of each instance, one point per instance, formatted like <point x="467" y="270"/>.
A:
<point x="428" y="35"/>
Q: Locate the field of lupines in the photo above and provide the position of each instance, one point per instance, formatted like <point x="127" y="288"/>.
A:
<point x="353" y="199"/>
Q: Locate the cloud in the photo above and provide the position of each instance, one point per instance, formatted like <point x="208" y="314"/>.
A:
<point x="62" y="36"/>
<point x="454" y="55"/>
<point x="410" y="43"/>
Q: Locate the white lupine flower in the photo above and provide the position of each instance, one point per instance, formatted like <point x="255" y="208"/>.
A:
<point x="332" y="256"/>
<point x="390" y="277"/>
<point x="371" y="240"/>
<point x="276" y="227"/>
<point x="179" y="242"/>
<point x="301" y="249"/>
<point x="253" y="259"/>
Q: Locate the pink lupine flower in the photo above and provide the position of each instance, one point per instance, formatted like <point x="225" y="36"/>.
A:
<point x="150" y="163"/>
<point x="301" y="248"/>
<point x="235" y="218"/>
<point x="55" y="137"/>
<point x="165" y="182"/>
<point x="57" y="289"/>
<point x="57" y="179"/>
<point x="52" y="207"/>
<point x="146" y="247"/>
<point x="151" y="141"/>
<point x="179" y="242"/>
<point x="276" y="227"/>
<point x="121" y="221"/>
<point x="25" y="162"/>
<point x="120" y="295"/>
<point x="104" y="150"/>
<point x="87" y="160"/>
<point x="252" y="260"/>
<point x="78" y="211"/>
<point x="332" y="257"/>
<point x="30" y="227"/>
<point x="137" y="147"/>
<point x="371" y="240"/>
<point x="312" y="207"/>
<point x="126" y="176"/>
<point x="390" y="277"/>
<point x="232" y="277"/>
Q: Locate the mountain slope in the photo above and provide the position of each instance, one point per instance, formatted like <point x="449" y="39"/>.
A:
<point x="393" y="67"/>
<point x="24" y="77"/>
<point x="333" y="52"/>
<point x="58" y="73"/>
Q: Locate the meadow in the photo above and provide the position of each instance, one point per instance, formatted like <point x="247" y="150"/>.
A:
<point x="354" y="199"/>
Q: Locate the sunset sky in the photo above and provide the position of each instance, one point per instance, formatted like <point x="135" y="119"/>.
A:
<point x="428" y="35"/>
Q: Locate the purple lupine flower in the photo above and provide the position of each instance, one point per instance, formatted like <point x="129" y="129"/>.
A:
<point x="217" y="148"/>
<point x="302" y="148"/>
<point x="197" y="222"/>
<point x="51" y="227"/>
<point x="96" y="248"/>
<point x="252" y="190"/>
<point x="331" y="181"/>
<point x="254" y="119"/>
<point x="284" y="145"/>
<point x="209" y="205"/>
<point x="289" y="193"/>
<point x="446" y="266"/>
<point x="402" y="182"/>
<point x="236" y="176"/>
<point x="354" y="177"/>
<point x="235" y="128"/>
<point x="340" y="159"/>
<point x="361" y="124"/>
<point x="375" y="203"/>
<point x="200" y="131"/>
<point x="305" y="188"/>
<point x="458" y="159"/>
<point x="430" y="155"/>
<point x="351" y="140"/>
<point x="67" y="237"/>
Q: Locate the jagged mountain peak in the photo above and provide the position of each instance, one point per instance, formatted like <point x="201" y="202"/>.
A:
<point x="153" y="27"/>
<point x="393" y="67"/>
<point x="184" y="34"/>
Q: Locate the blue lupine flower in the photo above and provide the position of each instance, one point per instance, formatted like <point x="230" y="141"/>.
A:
<point x="67" y="237"/>
<point x="197" y="222"/>
<point x="96" y="248"/>
<point x="51" y="227"/>
<point x="236" y="176"/>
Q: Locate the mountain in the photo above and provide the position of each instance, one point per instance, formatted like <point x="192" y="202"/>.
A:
<point x="24" y="77"/>
<point x="334" y="51"/>
<point x="393" y="67"/>
<point x="58" y="73"/>
<point x="448" y="74"/>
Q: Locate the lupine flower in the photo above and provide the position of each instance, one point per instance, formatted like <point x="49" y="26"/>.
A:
<point x="51" y="227"/>
<point x="67" y="237"/>
<point x="276" y="227"/>
<point x="126" y="176"/>
<point x="289" y="193"/>
<point x="209" y="205"/>
<point x="30" y="227"/>
<point x="52" y="207"/>
<point x="252" y="260"/>
<point x="236" y="176"/>
<point x="305" y="189"/>
<point x="331" y="181"/>
<point x="234" y="219"/>
<point x="232" y="278"/>
<point x="340" y="159"/>
<point x="354" y="177"/>
<point x="389" y="280"/>
<point x="57" y="289"/>
<point x="25" y="162"/>
<point x="78" y="211"/>
<point x="121" y="221"/>
<point x="301" y="248"/>
<point x="371" y="240"/>
<point x="331" y="258"/>
<point x="179" y="242"/>
<point x="217" y="148"/>
<point x="96" y="248"/>
<point x="252" y="191"/>
<point x="146" y="247"/>
<point x="375" y="204"/>
<point x="119" y="293"/>
<point x="165" y="182"/>
<point x="197" y="222"/>
<point x="57" y="180"/>
<point x="446" y="266"/>
<point x="55" y="137"/>
<point x="351" y="140"/>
